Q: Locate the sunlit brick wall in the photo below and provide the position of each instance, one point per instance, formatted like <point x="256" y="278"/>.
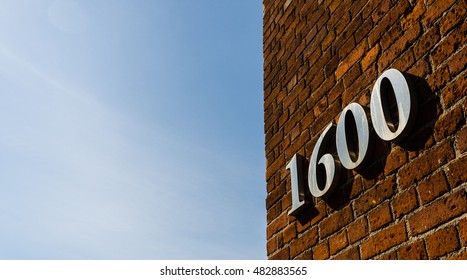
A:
<point x="410" y="202"/>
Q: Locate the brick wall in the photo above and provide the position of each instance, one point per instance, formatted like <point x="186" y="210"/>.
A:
<point x="410" y="202"/>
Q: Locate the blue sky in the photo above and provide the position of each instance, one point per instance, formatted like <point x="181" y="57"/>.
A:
<point x="131" y="130"/>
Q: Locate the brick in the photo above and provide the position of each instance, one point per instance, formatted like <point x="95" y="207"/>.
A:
<point x="404" y="203"/>
<point x="463" y="231"/>
<point x="448" y="123"/>
<point x="435" y="10"/>
<point x="456" y="15"/>
<point x="439" y="78"/>
<point x="426" y="42"/>
<point x="349" y="61"/>
<point x="276" y="225"/>
<point x="363" y="30"/>
<point x="381" y="10"/>
<point x="440" y="211"/>
<point x="456" y="172"/>
<point x="455" y="91"/>
<point x="358" y="230"/>
<point x="271" y="245"/>
<point x="461" y="140"/>
<point x="338" y="242"/>
<point x="383" y="240"/>
<point x="414" y="16"/>
<point x="391" y="256"/>
<point x="282" y="254"/>
<point x="370" y="56"/>
<point x="457" y="62"/>
<point x="449" y="45"/>
<point x="404" y="61"/>
<point x="307" y="255"/>
<point x="408" y="37"/>
<point x="275" y="195"/>
<point x="391" y="36"/>
<point x="387" y="21"/>
<point x="352" y="75"/>
<point x="421" y="68"/>
<point x="432" y="187"/>
<point x="379" y="217"/>
<point x="335" y="221"/>
<point x="274" y="211"/>
<point x="442" y="242"/>
<point x="364" y="81"/>
<point x="413" y="251"/>
<point x="460" y="256"/>
<point x="425" y="164"/>
<point x="375" y="196"/>
<point x="321" y="251"/>
<point x="290" y="232"/>
<point x="304" y="242"/>
<point x="348" y="254"/>
<point x="395" y="160"/>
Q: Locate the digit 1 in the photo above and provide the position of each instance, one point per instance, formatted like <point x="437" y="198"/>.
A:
<point x="297" y="184"/>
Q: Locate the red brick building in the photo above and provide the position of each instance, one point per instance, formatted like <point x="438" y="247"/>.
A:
<point x="409" y="200"/>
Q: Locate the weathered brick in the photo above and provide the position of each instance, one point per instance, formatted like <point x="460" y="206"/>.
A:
<point x="307" y="255"/>
<point x="404" y="203"/>
<point x="384" y="240"/>
<point x="348" y="254"/>
<point x="439" y="78"/>
<point x="449" y="123"/>
<point x="335" y="221"/>
<point x="462" y="140"/>
<point x="463" y="231"/>
<point x="379" y="217"/>
<point x="271" y="245"/>
<point x="395" y="160"/>
<point x="290" y="232"/>
<point x="370" y="57"/>
<point x="413" y="251"/>
<point x="390" y="256"/>
<point x="455" y="91"/>
<point x="457" y="62"/>
<point x="349" y="61"/>
<point x="387" y="21"/>
<point x="440" y="211"/>
<point x="404" y="61"/>
<point x="442" y="242"/>
<point x="276" y="225"/>
<point x="358" y="230"/>
<point x="399" y="47"/>
<point x="449" y="45"/>
<point x="304" y="242"/>
<point x="432" y="187"/>
<point x="456" y="172"/>
<point x="414" y="16"/>
<point x="435" y="10"/>
<point x="426" y="42"/>
<point x="425" y="164"/>
<point x="275" y="195"/>
<point x="282" y="254"/>
<point x="459" y="256"/>
<point x="453" y="17"/>
<point x="321" y="251"/>
<point x="338" y="242"/>
<point x="375" y="196"/>
<point x="421" y="68"/>
<point x="352" y="75"/>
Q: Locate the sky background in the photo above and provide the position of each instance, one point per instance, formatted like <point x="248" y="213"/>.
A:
<point x="131" y="129"/>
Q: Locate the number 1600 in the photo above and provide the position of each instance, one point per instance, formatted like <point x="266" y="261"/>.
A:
<point x="352" y="137"/>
